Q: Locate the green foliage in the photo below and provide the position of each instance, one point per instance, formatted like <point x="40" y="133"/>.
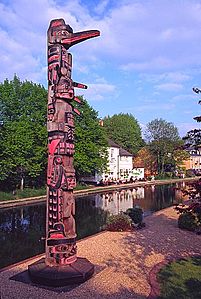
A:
<point x="163" y="138"/>
<point x="164" y="176"/>
<point x="120" y="222"/>
<point x="160" y="129"/>
<point x="136" y="214"/>
<point x="179" y="156"/>
<point x="193" y="138"/>
<point x="181" y="279"/>
<point x="190" y="216"/>
<point x="23" y="136"/>
<point x="23" y="132"/>
<point x="125" y="131"/>
<point x="90" y="142"/>
<point x="188" y="221"/>
<point x="190" y="173"/>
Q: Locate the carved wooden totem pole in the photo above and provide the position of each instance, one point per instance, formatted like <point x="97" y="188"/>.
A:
<point x="60" y="226"/>
<point x="61" y="234"/>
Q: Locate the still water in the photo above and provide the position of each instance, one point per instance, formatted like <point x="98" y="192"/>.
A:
<point x="22" y="229"/>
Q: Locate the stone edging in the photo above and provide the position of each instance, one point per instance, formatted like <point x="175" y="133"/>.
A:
<point x="153" y="281"/>
<point x="84" y="192"/>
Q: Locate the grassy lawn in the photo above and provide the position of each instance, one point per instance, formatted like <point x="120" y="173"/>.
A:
<point x="29" y="192"/>
<point x="181" y="279"/>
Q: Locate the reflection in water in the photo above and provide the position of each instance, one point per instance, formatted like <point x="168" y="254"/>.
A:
<point x="150" y="198"/>
<point x="21" y="229"/>
<point x="89" y="218"/>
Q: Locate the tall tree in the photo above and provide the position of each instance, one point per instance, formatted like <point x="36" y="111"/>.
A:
<point x="163" y="139"/>
<point x="23" y="131"/>
<point x="125" y="131"/>
<point x="192" y="138"/>
<point x="144" y="158"/>
<point x="90" y="142"/>
<point x="180" y="156"/>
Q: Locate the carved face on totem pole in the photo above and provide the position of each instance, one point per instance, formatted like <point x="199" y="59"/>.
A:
<point x="61" y="233"/>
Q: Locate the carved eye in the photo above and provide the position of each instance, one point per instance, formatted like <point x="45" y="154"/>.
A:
<point x="63" y="32"/>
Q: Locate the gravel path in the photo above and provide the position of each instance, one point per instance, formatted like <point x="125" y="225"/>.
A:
<point x="122" y="261"/>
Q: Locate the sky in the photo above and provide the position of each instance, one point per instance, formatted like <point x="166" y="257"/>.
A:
<point x="145" y="62"/>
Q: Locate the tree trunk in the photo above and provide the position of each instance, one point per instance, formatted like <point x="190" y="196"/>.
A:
<point x="22" y="184"/>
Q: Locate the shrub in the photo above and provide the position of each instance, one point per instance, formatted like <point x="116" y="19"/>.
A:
<point x="190" y="173"/>
<point x="118" y="223"/>
<point x="136" y="214"/>
<point x="188" y="221"/>
<point x="190" y="215"/>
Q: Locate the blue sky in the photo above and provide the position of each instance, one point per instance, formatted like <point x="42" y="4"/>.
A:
<point x="145" y="62"/>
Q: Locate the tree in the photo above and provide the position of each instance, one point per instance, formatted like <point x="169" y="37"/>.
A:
<point x="90" y="142"/>
<point x="23" y="132"/>
<point x="125" y="131"/>
<point x="193" y="137"/>
<point x="144" y="158"/>
<point x="179" y="156"/>
<point x="163" y="138"/>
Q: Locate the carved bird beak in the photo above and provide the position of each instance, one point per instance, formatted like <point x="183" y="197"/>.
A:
<point x="79" y="37"/>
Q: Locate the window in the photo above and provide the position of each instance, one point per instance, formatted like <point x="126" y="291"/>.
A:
<point x="112" y="152"/>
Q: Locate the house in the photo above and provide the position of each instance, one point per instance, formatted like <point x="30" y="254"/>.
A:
<point x="120" y="166"/>
<point x="194" y="161"/>
<point x="120" y="162"/>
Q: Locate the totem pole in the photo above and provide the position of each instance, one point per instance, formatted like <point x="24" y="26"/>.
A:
<point x="61" y="233"/>
<point x="60" y="224"/>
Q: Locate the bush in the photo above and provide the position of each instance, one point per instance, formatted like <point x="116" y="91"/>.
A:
<point x="197" y="211"/>
<point x="190" y="173"/>
<point x="136" y="214"/>
<point x="118" y="223"/>
<point x="188" y="221"/>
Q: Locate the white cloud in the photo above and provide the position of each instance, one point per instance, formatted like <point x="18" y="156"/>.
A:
<point x="184" y="97"/>
<point x="136" y="34"/>
<point x="100" y="8"/>
<point x="158" y="39"/>
<point x="169" y="87"/>
<point x="174" y="77"/>
<point x="99" y="91"/>
<point x="156" y="107"/>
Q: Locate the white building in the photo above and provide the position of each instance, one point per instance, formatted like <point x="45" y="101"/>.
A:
<point x="120" y="162"/>
<point x="120" y="166"/>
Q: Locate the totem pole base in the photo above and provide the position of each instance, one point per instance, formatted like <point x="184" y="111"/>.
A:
<point x="76" y="273"/>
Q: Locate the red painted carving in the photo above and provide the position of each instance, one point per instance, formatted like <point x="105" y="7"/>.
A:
<point x="61" y="233"/>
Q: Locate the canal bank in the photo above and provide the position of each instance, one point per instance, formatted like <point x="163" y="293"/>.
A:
<point x="23" y="227"/>
<point x="94" y="190"/>
<point x="123" y="262"/>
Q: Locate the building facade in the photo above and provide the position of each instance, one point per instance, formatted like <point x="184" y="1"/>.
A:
<point x="120" y="163"/>
<point x="194" y="161"/>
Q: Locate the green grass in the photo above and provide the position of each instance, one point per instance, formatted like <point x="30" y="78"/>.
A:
<point x="29" y="192"/>
<point x="181" y="279"/>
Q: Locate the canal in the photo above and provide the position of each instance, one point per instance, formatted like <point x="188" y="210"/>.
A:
<point x="22" y="229"/>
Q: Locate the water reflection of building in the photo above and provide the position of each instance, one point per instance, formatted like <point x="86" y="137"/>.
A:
<point x="138" y="193"/>
<point x="149" y="198"/>
<point x="118" y="201"/>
